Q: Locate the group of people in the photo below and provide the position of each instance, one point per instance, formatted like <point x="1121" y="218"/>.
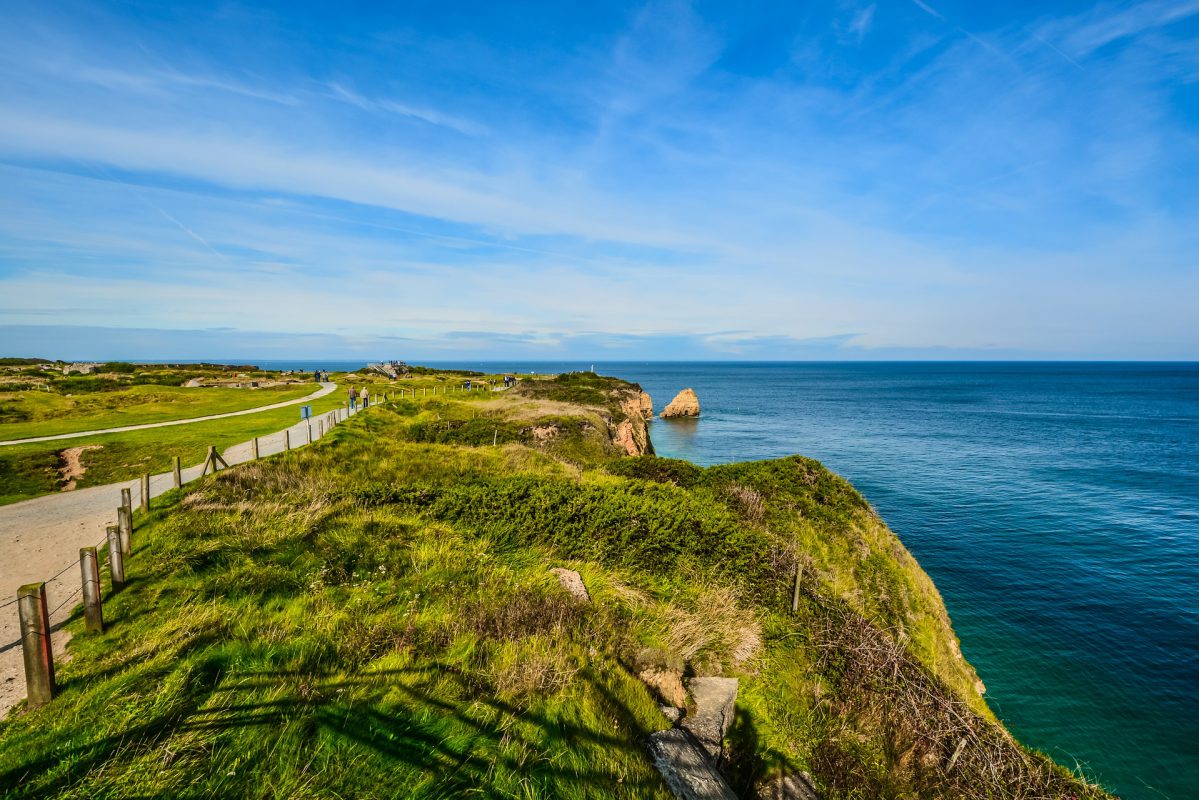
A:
<point x="355" y="395"/>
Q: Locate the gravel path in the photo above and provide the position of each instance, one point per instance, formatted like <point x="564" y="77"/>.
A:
<point x="42" y="537"/>
<point x="321" y="392"/>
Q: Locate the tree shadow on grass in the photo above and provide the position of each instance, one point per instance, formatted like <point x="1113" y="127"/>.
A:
<point x="429" y="745"/>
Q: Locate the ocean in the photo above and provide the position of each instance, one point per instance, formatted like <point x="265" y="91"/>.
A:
<point x="1055" y="505"/>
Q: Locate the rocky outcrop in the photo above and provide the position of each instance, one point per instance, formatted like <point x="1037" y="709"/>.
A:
<point x="688" y="755"/>
<point x="668" y="685"/>
<point x="687" y="771"/>
<point x="572" y="582"/>
<point x="646" y="404"/>
<point x="684" y="404"/>
<point x="632" y="438"/>
<point x="631" y="432"/>
<point x="715" y="699"/>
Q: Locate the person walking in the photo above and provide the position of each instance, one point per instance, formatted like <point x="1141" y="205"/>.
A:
<point x="366" y="397"/>
<point x="353" y="399"/>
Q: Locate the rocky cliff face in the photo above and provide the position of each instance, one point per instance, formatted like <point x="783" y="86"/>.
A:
<point x="632" y="433"/>
<point x="612" y="414"/>
<point x="684" y="404"/>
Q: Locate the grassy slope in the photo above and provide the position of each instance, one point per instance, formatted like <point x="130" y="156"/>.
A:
<point x="32" y="413"/>
<point x="374" y="617"/>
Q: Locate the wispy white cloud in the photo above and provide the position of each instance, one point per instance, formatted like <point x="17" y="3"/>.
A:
<point x="1108" y="23"/>
<point x="431" y="116"/>
<point x="927" y="9"/>
<point x="860" y="24"/>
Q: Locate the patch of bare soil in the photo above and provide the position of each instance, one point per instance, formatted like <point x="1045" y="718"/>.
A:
<point x="72" y="468"/>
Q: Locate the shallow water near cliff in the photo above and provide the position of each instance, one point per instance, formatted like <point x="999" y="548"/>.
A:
<point x="1055" y="505"/>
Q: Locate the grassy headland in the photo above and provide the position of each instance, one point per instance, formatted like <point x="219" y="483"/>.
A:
<point x="43" y="402"/>
<point x="375" y="616"/>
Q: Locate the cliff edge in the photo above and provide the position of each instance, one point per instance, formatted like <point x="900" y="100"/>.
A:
<point x="388" y="605"/>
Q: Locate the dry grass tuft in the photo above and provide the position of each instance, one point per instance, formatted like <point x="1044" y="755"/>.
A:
<point x="747" y="501"/>
<point x="718" y="632"/>
<point x="530" y="668"/>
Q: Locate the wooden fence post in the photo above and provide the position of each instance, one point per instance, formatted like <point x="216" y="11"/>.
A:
<point x="127" y="498"/>
<point x="177" y="470"/>
<point x="214" y="460"/>
<point x="35" y="643"/>
<point x="320" y="429"/>
<point x="255" y="448"/>
<point x="125" y="530"/>
<point x="116" y="559"/>
<point x="93" y="612"/>
<point x="287" y="439"/>
<point x="145" y="492"/>
<point x="795" y="591"/>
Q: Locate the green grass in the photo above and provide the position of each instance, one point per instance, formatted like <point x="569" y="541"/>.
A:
<point x="31" y="470"/>
<point x="31" y="413"/>
<point x="374" y="616"/>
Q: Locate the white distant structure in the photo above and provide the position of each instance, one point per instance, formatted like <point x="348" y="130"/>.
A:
<point x="392" y="369"/>
<point x="81" y="368"/>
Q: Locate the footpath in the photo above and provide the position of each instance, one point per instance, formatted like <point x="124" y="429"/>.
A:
<point x="40" y="538"/>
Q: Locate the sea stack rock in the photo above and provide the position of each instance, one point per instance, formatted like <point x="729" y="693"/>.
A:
<point x="684" y="404"/>
<point x="646" y="405"/>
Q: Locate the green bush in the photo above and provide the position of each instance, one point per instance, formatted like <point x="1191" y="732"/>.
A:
<point x="658" y="470"/>
<point x="119" y="367"/>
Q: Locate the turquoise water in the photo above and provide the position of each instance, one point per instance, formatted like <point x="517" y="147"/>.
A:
<point x="1055" y="505"/>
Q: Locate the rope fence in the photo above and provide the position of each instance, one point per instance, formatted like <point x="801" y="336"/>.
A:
<point x="32" y="608"/>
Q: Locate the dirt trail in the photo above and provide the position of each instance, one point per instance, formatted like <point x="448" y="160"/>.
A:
<point x="72" y="468"/>
<point x="40" y="538"/>
<point x="321" y="392"/>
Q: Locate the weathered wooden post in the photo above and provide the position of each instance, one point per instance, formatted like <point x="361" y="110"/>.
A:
<point x="145" y="492"/>
<point x="309" y="433"/>
<point x="93" y="613"/>
<point x="127" y="498"/>
<point x="35" y="643"/>
<point x="287" y="439"/>
<point x="795" y="591"/>
<point x="116" y="559"/>
<point x="177" y="471"/>
<point x="125" y="530"/>
<point x="255" y="447"/>
<point x="320" y="429"/>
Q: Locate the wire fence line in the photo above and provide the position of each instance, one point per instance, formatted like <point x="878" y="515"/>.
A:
<point x="167" y="476"/>
<point x="330" y="419"/>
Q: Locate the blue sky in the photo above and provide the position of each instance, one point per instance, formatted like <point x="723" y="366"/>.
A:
<point x="890" y="179"/>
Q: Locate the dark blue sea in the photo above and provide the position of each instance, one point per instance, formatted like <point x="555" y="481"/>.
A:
<point x="1055" y="505"/>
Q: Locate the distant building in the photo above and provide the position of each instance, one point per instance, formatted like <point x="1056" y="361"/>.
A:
<point x="82" y="369"/>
